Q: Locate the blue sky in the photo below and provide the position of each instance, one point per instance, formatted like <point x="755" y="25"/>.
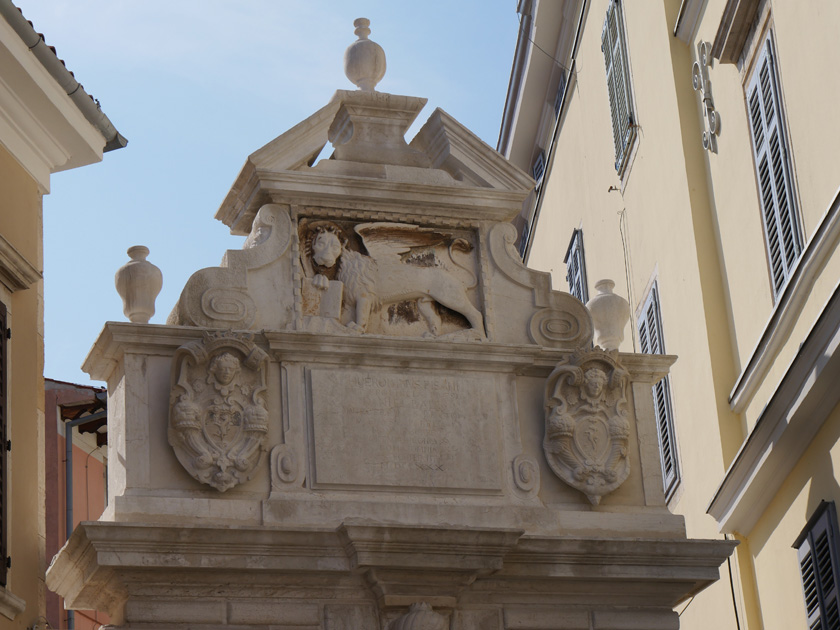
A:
<point x="198" y="85"/>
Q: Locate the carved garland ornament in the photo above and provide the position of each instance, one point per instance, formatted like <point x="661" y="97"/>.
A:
<point x="586" y="424"/>
<point x="218" y="421"/>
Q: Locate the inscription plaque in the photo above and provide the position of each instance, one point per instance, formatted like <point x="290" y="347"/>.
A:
<point x="412" y="431"/>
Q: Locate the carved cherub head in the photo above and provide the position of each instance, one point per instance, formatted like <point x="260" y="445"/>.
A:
<point x="594" y="382"/>
<point x="225" y="368"/>
<point x="326" y="246"/>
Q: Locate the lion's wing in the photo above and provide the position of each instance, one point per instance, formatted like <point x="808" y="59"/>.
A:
<point x="388" y="240"/>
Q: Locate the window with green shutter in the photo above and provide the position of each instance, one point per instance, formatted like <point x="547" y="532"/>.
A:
<point x="650" y="341"/>
<point x="782" y="234"/>
<point x="818" y="566"/>
<point x="576" y="267"/>
<point x="614" y="47"/>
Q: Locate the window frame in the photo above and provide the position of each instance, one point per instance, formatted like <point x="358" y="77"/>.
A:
<point x="624" y="131"/>
<point x="821" y="603"/>
<point x="576" y="253"/>
<point x="649" y="319"/>
<point x="538" y="167"/>
<point x="773" y="167"/>
<point x="4" y="437"/>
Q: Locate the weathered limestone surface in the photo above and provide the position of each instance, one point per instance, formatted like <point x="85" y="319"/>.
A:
<point x="374" y="416"/>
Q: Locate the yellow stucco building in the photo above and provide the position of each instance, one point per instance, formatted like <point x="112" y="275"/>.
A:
<point x="688" y="151"/>
<point x="48" y="123"/>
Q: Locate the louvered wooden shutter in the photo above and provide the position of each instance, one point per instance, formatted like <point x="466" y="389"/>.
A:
<point x="561" y="88"/>
<point x="538" y="169"/>
<point x="650" y="340"/>
<point x="576" y="268"/>
<point x="4" y="436"/>
<point x="781" y="226"/>
<point x="818" y="564"/>
<point x="618" y="83"/>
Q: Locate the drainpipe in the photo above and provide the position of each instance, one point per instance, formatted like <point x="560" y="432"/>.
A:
<point x="68" y="481"/>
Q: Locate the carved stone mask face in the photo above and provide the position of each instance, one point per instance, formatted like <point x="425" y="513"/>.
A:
<point x="326" y="248"/>
<point x="594" y="381"/>
<point x="225" y="368"/>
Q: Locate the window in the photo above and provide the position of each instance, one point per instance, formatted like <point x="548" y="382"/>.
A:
<point x="650" y="340"/>
<point x="4" y="409"/>
<point x="818" y="565"/>
<point x="538" y="169"/>
<point x="523" y="239"/>
<point x="782" y="235"/>
<point x="561" y="89"/>
<point x="576" y="267"/>
<point x="614" y="47"/>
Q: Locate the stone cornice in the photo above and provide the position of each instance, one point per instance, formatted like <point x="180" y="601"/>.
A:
<point x="10" y="604"/>
<point x="118" y="338"/>
<point x="805" y="397"/>
<point x="786" y="313"/>
<point x="104" y="564"/>
<point x="455" y="201"/>
<point x="735" y="24"/>
<point x="16" y="272"/>
<point x="688" y="19"/>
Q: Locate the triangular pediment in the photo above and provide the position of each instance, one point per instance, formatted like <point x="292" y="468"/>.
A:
<point x="372" y="158"/>
<point x="457" y="150"/>
<point x="298" y="147"/>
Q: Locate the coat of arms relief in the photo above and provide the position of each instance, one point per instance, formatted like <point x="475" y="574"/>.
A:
<point x="218" y="420"/>
<point x="390" y="278"/>
<point x="586" y="427"/>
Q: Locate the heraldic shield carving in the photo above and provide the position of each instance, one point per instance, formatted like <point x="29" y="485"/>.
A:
<point x="586" y="425"/>
<point x="218" y="421"/>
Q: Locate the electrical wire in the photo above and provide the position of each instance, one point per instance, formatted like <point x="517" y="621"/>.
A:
<point x="686" y="606"/>
<point x="623" y="228"/>
<point x="537" y="46"/>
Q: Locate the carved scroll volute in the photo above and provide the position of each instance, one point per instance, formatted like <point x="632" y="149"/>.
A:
<point x="586" y="425"/>
<point x="560" y="320"/>
<point x="219" y="297"/>
<point x="218" y="420"/>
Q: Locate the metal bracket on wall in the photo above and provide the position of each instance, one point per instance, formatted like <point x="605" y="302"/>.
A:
<point x="700" y="81"/>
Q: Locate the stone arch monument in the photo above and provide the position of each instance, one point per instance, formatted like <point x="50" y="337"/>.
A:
<point x="374" y="416"/>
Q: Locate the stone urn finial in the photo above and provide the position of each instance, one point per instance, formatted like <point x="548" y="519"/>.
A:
<point x="364" y="59"/>
<point x="610" y="314"/>
<point x="138" y="283"/>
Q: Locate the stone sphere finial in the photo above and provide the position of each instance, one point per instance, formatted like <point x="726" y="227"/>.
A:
<point x="364" y="59"/>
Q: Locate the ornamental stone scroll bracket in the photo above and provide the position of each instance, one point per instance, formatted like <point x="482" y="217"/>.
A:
<point x="586" y="425"/>
<point x="219" y="297"/>
<point x="218" y="421"/>
<point x="559" y="320"/>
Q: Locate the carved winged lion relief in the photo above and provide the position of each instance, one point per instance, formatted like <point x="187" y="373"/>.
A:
<point x="218" y="420"/>
<point x="411" y="280"/>
<point x="586" y="425"/>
